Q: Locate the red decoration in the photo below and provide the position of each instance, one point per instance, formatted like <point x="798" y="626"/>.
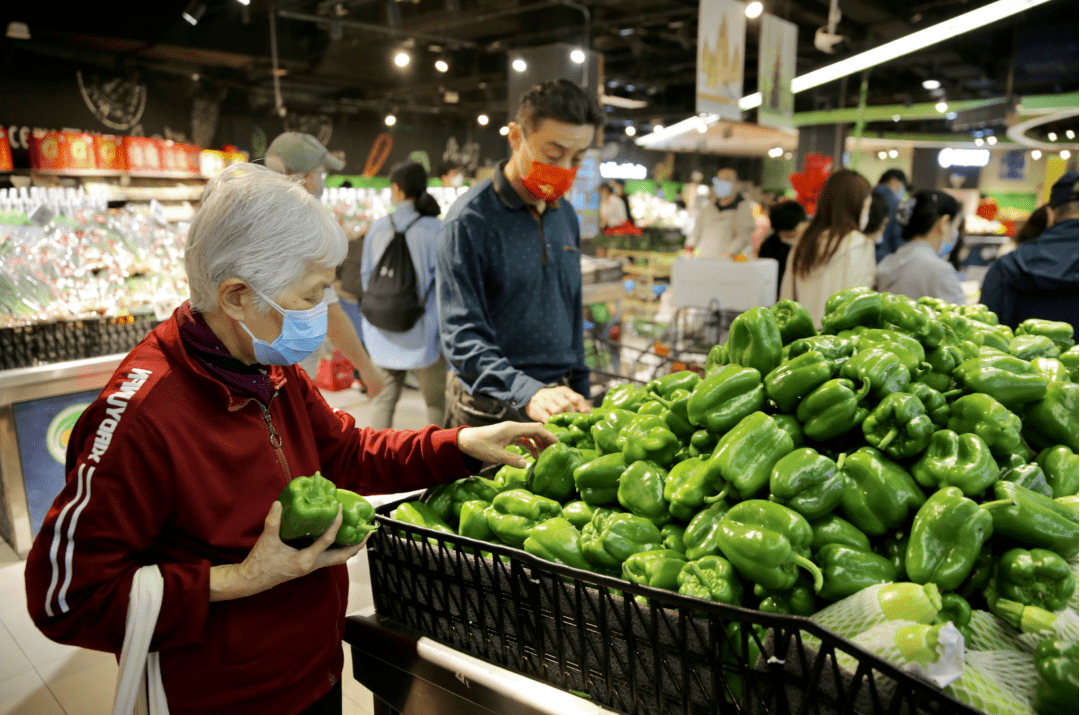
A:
<point x="807" y="185"/>
<point x="987" y="208"/>
<point x="5" y="151"/>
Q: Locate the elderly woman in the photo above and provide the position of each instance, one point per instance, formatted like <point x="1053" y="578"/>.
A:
<point x="181" y="458"/>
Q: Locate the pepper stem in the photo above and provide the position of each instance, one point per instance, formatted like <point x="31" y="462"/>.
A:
<point x="991" y="505"/>
<point x="810" y="566"/>
<point x="719" y="497"/>
<point x="889" y="437"/>
<point x="952" y="393"/>
<point x="863" y="391"/>
<point x="656" y="398"/>
<point x="840" y="460"/>
<point x="921" y="369"/>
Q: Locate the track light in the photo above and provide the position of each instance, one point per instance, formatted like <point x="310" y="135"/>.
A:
<point x="194" y="12"/>
<point x="390" y="120"/>
<point x="577" y="57"/>
<point x="1036" y="155"/>
<point x="754" y="9"/>
<point x="482" y="120"/>
<point x="931" y="84"/>
<point x="504" y="130"/>
<point x="942" y="107"/>
<point x="441" y="65"/>
<point x="519" y="65"/>
<point x="402" y="59"/>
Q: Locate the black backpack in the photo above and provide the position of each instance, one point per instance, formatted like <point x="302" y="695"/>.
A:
<point x="390" y="302"/>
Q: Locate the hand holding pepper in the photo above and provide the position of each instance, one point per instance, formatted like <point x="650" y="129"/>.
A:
<point x="488" y="444"/>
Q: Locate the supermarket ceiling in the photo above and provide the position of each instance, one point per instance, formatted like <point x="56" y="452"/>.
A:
<point x="337" y="56"/>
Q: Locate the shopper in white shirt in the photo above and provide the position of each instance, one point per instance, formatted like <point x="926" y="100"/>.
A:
<point x="725" y="226"/>
<point x="612" y="208"/>
<point x="833" y="254"/>
<point x="930" y="226"/>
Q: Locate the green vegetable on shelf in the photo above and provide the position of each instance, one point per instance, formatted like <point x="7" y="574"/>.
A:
<point x="1029" y="347"/>
<point x="1052" y="369"/>
<point x="1055" y="419"/>
<point x="648" y="438"/>
<point x="833" y="348"/>
<point x="1011" y="381"/>
<point x="908" y="316"/>
<point x="612" y="537"/>
<point x="1056" y="662"/>
<point x="710" y="578"/>
<point x="1060" y="333"/>
<point x="795" y="601"/>
<point x="807" y="482"/>
<point x="1034" y="520"/>
<point x="514" y="513"/>
<point x="721" y="400"/>
<point x="833" y="409"/>
<point x="767" y="544"/>
<point x="1035" y="577"/>
<point x="935" y="403"/>
<point x="668" y="384"/>
<point x="946" y="537"/>
<point x="882" y="369"/>
<point x="552" y="474"/>
<point x="598" y="481"/>
<point x="754" y="341"/>
<point x="659" y="568"/>
<point x="879" y="493"/>
<point x="846" y="571"/>
<point x="702" y="534"/>
<point x="641" y="492"/>
<point x="625" y="397"/>
<point x="908" y="349"/>
<point x="744" y="457"/>
<point x="898" y="426"/>
<point x="606" y="433"/>
<point x="579" y="513"/>
<point x="473" y="521"/>
<point x="1029" y="476"/>
<point x="796" y="378"/>
<point x="850" y="308"/>
<point x="984" y="416"/>
<point x="418" y="513"/>
<point x="793" y="321"/>
<point x="558" y="541"/>
<point x="687" y="486"/>
<point x="672" y="535"/>
<point x="953" y="460"/>
<point x="832" y="529"/>
<point x="1062" y="468"/>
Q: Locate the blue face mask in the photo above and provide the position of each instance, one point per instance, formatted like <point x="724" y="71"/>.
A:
<point x="948" y="246"/>
<point x="302" y="332"/>
<point x="722" y="189"/>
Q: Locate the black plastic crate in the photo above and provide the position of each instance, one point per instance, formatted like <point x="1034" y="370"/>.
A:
<point x="657" y="654"/>
<point x="64" y="340"/>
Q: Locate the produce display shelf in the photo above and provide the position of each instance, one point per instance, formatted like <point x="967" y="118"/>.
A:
<point x="628" y="647"/>
<point x="105" y="173"/>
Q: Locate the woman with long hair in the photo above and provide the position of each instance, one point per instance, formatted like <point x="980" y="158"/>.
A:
<point x="833" y="254"/>
<point x="930" y="226"/>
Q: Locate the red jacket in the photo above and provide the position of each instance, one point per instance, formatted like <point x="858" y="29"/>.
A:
<point x="170" y="467"/>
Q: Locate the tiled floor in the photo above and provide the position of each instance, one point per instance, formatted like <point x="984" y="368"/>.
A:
<point x="39" y="677"/>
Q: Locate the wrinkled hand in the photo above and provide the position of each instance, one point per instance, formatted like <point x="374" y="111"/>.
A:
<point x="271" y="561"/>
<point x="550" y="401"/>
<point x="488" y="444"/>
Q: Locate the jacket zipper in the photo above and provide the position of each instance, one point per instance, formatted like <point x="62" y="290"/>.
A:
<point x="540" y="226"/>
<point x="275" y="441"/>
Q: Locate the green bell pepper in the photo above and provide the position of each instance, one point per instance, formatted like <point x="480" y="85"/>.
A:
<point x="935" y="403"/>
<point x="613" y="537"/>
<point x="1029" y="476"/>
<point x="473" y="522"/>
<point x="625" y="397"/>
<point x="1071" y="360"/>
<point x="308" y="506"/>
<point x="1062" y="468"/>
<point x="807" y="482"/>
<point x="796" y="378"/>
<point x="668" y="384"/>
<point x="508" y="475"/>
<point x="470" y="489"/>
<point x="879" y="493"/>
<point x="850" y="308"/>
<point x="700" y="537"/>
<point x="833" y="348"/>
<point x="1009" y="380"/>
<point x="559" y="541"/>
<point x="981" y="574"/>
<point x="720" y="401"/>
<point x="1055" y="419"/>
<point x="514" y="513"/>
<point x="711" y="578"/>
<point x="956" y="610"/>
<point x="894" y="549"/>
<point x="357" y="516"/>
<point x="598" y="480"/>
<point x="1057" y="662"/>
<point x="982" y="334"/>
<point x="675" y="416"/>
<point x="978" y="312"/>
<point x="659" y="569"/>
<point x="767" y="544"/>
<point x="993" y="422"/>
<point x="898" y="426"/>
<point x="648" y="438"/>
<point x="918" y="321"/>
<point x="795" y="601"/>
<point x="908" y="349"/>
<point x="441" y="500"/>
<point x="793" y="321"/>
<point x="882" y="369"/>
<point x="673" y="537"/>
<point x="744" y="457"/>
<point x="418" y="513"/>
<point x="579" y="513"/>
<point x="846" y="571"/>
<point x="832" y="529"/>
<point x="552" y="475"/>
<point x="946" y="536"/>
<point x="641" y="492"/>
<point x="1034" y="520"/>
<point x="704" y="442"/>
<point x="1052" y="369"/>
<point x="1035" y="577"/>
<point x="952" y="460"/>
<point x="715" y="360"/>
<point x="833" y="409"/>
<point x="1060" y="333"/>
<point x="606" y="433"/>
<point x="754" y="341"/>
<point x="791" y="425"/>
<point x="1029" y="347"/>
<point x="687" y="486"/>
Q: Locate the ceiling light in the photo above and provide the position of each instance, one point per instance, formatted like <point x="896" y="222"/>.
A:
<point x="390" y="120"/>
<point x="991" y="140"/>
<point x="951" y="116"/>
<point x="245" y="3"/>
<point x="631" y="130"/>
<point x="882" y="155"/>
<point x="577" y="57"/>
<point x="194" y="12"/>
<point x="504" y="130"/>
<point x="931" y="84"/>
<point x="1052" y="137"/>
<point x="401" y="59"/>
<point x="896" y="117"/>
<point x="979" y="141"/>
<point x="519" y="65"/>
<point x="948" y="157"/>
<point x="893" y="153"/>
<point x="482" y="120"/>
<point x="942" y="107"/>
<point x="18" y="31"/>
<point x="932" y="35"/>
<point x="612" y="100"/>
<point x="702" y="127"/>
<point x="753" y="10"/>
<point x="1070" y="133"/>
<point x="658" y="127"/>
<point x="1065" y="154"/>
<point x="441" y="65"/>
<point x="788" y="155"/>
<point x="1036" y="155"/>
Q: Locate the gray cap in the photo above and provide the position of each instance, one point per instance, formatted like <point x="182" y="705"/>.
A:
<point x="301" y="153"/>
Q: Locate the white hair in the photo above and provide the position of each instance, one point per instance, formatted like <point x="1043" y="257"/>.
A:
<point x="259" y="226"/>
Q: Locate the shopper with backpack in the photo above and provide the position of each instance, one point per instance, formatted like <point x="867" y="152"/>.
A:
<point x="399" y="319"/>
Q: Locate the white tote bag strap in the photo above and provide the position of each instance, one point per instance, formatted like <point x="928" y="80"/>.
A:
<point x="138" y="687"/>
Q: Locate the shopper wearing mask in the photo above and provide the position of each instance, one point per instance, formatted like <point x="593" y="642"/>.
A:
<point x="1039" y="278"/>
<point x="450" y="175"/>
<point x="297" y="154"/>
<point x="930" y="227"/>
<point x="788" y="221"/>
<point x="179" y="462"/>
<point x="725" y="226"/>
<point x="417" y="349"/>
<point x="892" y="186"/>
<point x="833" y="254"/>
<point x="508" y="271"/>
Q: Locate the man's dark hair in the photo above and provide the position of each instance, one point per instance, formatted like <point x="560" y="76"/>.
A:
<point x="444" y="168"/>
<point x="786" y="215"/>
<point x="891" y="174"/>
<point x="879" y="213"/>
<point x="561" y="100"/>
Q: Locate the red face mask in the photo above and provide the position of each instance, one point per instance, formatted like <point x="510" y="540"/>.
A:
<point x="545" y="181"/>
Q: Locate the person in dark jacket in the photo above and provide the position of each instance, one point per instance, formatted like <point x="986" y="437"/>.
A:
<point x="1039" y="278"/>
<point x="788" y="219"/>
<point x="891" y="186"/>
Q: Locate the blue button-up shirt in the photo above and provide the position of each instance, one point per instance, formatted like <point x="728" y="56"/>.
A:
<point x="508" y="281"/>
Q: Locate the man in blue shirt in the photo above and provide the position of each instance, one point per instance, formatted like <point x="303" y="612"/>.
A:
<point x="892" y="185"/>
<point x="1039" y="279"/>
<point x="508" y="272"/>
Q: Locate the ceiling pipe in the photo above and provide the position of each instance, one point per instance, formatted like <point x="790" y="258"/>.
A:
<point x="378" y="29"/>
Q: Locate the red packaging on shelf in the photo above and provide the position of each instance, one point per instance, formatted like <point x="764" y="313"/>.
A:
<point x="192" y="153"/>
<point x="110" y="152"/>
<point x="5" y="151"/>
<point x="77" y="151"/>
<point x="45" y="150"/>
<point x="143" y="154"/>
<point x="173" y="157"/>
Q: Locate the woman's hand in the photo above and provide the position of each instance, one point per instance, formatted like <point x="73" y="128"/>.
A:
<point x="488" y="444"/>
<point x="271" y="561"/>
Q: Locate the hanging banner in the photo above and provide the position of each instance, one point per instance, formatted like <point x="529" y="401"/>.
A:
<point x="776" y="69"/>
<point x="721" y="49"/>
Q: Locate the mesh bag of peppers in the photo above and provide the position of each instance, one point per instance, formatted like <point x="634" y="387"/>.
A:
<point x="907" y="442"/>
